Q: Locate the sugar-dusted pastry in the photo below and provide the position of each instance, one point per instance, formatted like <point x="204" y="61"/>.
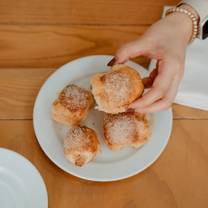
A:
<point x="125" y="129"/>
<point x="115" y="89"/>
<point x="72" y="105"/>
<point x="81" y="145"/>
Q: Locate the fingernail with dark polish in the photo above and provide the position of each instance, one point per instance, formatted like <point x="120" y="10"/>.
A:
<point x="130" y="110"/>
<point x="111" y="62"/>
<point x="147" y="82"/>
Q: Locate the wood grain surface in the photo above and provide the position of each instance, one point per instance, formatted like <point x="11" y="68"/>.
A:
<point x="119" y="12"/>
<point x="36" y="37"/>
<point x="52" y="46"/>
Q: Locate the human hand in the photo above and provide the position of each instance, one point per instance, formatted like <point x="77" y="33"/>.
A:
<point x="166" y="41"/>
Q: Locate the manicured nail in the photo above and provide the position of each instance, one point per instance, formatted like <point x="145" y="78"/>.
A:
<point x="111" y="62"/>
<point x="153" y="74"/>
<point x="147" y="82"/>
<point x="130" y="110"/>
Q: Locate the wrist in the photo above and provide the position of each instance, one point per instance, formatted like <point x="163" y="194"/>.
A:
<point x="183" y="26"/>
<point x="187" y="19"/>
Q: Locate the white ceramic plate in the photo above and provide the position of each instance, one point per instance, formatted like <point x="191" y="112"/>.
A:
<point x="21" y="185"/>
<point x="109" y="165"/>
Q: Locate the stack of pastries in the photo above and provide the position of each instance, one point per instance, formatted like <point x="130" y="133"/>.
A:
<point x="113" y="91"/>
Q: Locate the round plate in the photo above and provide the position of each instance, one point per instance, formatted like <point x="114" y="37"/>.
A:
<point x="108" y="165"/>
<point x="21" y="185"/>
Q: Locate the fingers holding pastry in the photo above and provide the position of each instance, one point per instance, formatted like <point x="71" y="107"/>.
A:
<point x="115" y="89"/>
<point x="165" y="102"/>
<point x="161" y="93"/>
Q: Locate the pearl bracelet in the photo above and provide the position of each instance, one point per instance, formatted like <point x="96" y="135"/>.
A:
<point x="193" y="18"/>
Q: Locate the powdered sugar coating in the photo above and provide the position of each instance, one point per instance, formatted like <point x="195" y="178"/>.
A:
<point x="117" y="86"/>
<point x="81" y="145"/>
<point x="126" y="129"/>
<point x="121" y="130"/>
<point x="115" y="89"/>
<point x="75" y="138"/>
<point x="74" y="97"/>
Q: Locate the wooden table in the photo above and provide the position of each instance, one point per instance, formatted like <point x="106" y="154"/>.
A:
<point x="38" y="36"/>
